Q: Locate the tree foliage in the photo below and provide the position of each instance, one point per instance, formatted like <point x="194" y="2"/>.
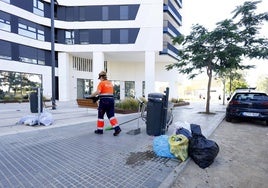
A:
<point x="223" y="48"/>
<point x="262" y="84"/>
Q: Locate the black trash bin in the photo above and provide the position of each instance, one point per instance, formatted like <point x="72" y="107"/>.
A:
<point x="34" y="102"/>
<point x="156" y="114"/>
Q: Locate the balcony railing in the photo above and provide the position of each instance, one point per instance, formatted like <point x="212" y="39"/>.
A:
<point x="169" y="49"/>
<point x="169" y="8"/>
<point x="170" y="29"/>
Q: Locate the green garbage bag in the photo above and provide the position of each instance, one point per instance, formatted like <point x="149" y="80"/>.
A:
<point x="179" y="146"/>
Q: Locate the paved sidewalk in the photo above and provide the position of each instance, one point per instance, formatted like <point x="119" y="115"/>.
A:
<point x="68" y="153"/>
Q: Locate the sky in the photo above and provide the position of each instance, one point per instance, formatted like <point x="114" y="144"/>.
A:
<point x="208" y="12"/>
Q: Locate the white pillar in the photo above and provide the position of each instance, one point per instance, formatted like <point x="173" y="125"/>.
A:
<point x="98" y="66"/>
<point x="173" y="90"/>
<point x="122" y="90"/>
<point x="149" y="72"/>
<point x="64" y="76"/>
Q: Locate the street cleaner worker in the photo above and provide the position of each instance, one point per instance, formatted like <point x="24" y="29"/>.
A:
<point x="106" y="104"/>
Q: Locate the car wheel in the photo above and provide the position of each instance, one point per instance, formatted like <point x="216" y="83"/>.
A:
<point x="228" y="119"/>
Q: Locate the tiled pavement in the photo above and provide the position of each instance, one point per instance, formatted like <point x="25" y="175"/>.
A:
<point x="69" y="154"/>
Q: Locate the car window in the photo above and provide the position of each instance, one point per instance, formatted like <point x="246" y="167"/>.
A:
<point x="251" y="96"/>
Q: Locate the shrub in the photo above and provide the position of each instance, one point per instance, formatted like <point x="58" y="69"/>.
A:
<point x="128" y="104"/>
<point x="176" y="100"/>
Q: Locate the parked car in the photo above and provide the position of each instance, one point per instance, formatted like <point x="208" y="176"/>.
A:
<point x="247" y="104"/>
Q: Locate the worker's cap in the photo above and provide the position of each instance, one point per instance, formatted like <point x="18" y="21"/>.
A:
<point x="102" y="73"/>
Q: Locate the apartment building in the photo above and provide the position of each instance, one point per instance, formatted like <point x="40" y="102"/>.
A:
<point x="62" y="51"/>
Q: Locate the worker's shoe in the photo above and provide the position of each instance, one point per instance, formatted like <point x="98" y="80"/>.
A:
<point x="98" y="131"/>
<point x="117" y="130"/>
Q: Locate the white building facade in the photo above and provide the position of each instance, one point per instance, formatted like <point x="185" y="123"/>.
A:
<point x="130" y="39"/>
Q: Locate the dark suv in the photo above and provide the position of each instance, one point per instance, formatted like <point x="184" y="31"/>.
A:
<point x="247" y="105"/>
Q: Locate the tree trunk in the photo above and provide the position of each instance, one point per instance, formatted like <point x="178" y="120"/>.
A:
<point x="223" y="94"/>
<point x="208" y="91"/>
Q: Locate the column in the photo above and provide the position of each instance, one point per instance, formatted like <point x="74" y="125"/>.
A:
<point x="173" y="90"/>
<point x="122" y="90"/>
<point x="98" y="66"/>
<point x="64" y="76"/>
<point x="149" y="72"/>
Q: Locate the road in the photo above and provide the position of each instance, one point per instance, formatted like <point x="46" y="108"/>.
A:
<point x="241" y="163"/>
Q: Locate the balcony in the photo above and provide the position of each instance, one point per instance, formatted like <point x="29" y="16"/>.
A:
<point x="169" y="49"/>
<point x="170" y="29"/>
<point x="173" y="12"/>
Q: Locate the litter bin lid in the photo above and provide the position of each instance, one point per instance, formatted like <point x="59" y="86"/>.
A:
<point x="155" y="95"/>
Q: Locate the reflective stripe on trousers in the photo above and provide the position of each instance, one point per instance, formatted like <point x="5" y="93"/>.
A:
<point x="106" y="105"/>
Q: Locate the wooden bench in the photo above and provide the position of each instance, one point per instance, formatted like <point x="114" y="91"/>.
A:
<point x="86" y="103"/>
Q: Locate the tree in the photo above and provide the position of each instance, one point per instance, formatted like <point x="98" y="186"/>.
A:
<point x="262" y="83"/>
<point x="224" y="47"/>
<point x="237" y="82"/>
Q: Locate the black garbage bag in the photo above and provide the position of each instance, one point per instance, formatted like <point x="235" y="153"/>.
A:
<point x="202" y="150"/>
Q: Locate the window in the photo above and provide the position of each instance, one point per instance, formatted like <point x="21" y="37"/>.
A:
<point x="31" y="55"/>
<point x="69" y="13"/>
<point x="123" y="12"/>
<point x="105" y="13"/>
<point x="116" y="85"/>
<point x="69" y="37"/>
<point x="31" y="30"/>
<point x="82" y="64"/>
<point x="84" y="88"/>
<point x="106" y="36"/>
<point x="38" y="7"/>
<point x="5" y="21"/>
<point x="130" y="89"/>
<point x="84" y="37"/>
<point x="5" y="50"/>
<point x="21" y="84"/>
<point x="82" y="13"/>
<point x="123" y="36"/>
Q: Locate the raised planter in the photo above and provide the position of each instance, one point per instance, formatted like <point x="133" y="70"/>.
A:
<point x="181" y="104"/>
<point x="86" y="103"/>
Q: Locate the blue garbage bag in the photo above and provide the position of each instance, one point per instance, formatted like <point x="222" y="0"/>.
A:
<point x="161" y="146"/>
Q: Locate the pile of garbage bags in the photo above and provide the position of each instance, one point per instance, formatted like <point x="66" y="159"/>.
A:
<point x="44" y="118"/>
<point x="187" y="142"/>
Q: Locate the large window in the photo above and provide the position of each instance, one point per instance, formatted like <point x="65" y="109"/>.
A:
<point x="38" y="7"/>
<point x="31" y="30"/>
<point x="99" y="36"/>
<point x="5" y="50"/>
<point x="31" y="55"/>
<point x="97" y="13"/>
<point x="5" y="21"/>
<point x="17" y="86"/>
